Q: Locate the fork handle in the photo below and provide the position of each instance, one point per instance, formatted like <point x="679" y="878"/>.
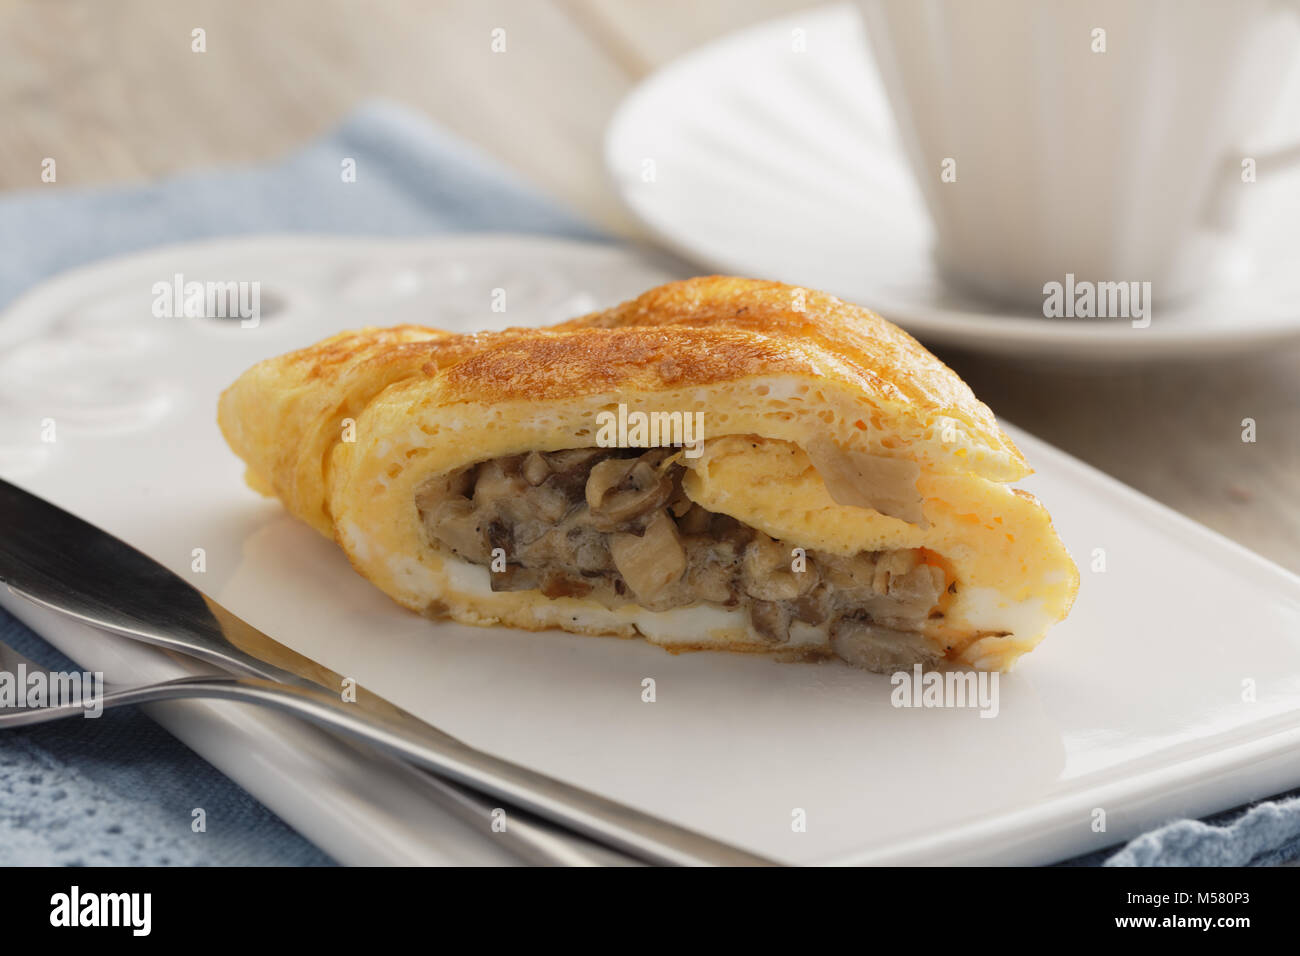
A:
<point x="619" y="826"/>
<point x="531" y="839"/>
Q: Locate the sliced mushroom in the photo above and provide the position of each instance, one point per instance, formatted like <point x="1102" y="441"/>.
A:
<point x="865" y="644"/>
<point x="498" y="482"/>
<point x="604" y="477"/>
<point x="916" y="593"/>
<point x="767" y="573"/>
<point x="771" y="620"/>
<point x="814" y="607"/>
<point x="695" y="521"/>
<point x="711" y="570"/>
<point x="455" y="484"/>
<point x="549" y="504"/>
<point x="854" y="573"/>
<point x="861" y="480"/>
<point x="893" y="564"/>
<point x="622" y="493"/>
<point x="652" y="561"/>
<point x="459" y="526"/>
<point x="589" y="548"/>
<point x="500" y="534"/>
<point x="569" y="469"/>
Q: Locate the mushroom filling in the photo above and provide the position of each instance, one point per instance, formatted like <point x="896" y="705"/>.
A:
<point x="614" y="524"/>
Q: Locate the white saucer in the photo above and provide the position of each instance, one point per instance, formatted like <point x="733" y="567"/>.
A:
<point x="777" y="164"/>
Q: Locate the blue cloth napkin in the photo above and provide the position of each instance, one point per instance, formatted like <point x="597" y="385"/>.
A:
<point x="120" y="789"/>
<point x="1264" y="835"/>
<point x="411" y="180"/>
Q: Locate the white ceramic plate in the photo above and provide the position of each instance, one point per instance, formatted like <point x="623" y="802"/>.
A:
<point x="1133" y="706"/>
<point x="759" y="160"/>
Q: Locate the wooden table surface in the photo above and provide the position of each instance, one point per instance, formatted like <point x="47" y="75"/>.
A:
<point x="113" y="92"/>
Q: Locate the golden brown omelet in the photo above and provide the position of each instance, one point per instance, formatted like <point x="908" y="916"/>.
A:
<point x="845" y="495"/>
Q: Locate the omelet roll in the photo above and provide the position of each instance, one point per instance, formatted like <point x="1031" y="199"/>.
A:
<point x="719" y="464"/>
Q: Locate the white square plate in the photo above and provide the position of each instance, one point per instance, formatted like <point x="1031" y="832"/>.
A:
<point x="1134" y="710"/>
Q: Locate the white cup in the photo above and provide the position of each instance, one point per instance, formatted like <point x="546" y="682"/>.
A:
<point x="1102" y="139"/>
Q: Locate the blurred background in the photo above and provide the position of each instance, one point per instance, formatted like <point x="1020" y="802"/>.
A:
<point x="113" y="91"/>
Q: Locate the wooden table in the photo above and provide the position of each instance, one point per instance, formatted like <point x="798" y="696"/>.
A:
<point x="114" y="93"/>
